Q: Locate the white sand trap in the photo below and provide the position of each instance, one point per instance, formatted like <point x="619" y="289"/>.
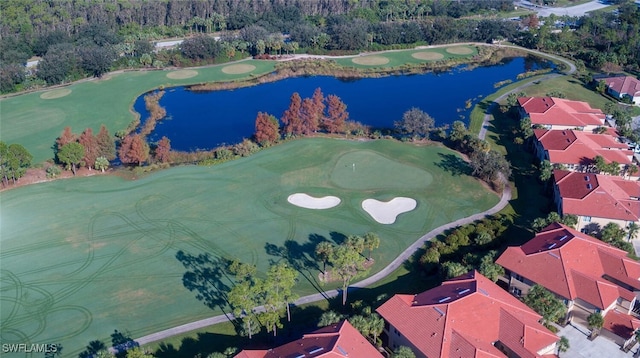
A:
<point x="387" y="212"/>
<point x="309" y="202"/>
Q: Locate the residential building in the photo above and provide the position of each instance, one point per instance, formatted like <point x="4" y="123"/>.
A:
<point x="558" y="113"/>
<point x="467" y="316"/>
<point x="596" y="199"/>
<point x="586" y="273"/>
<point x="575" y="150"/>
<point x="624" y="86"/>
<point x="338" y="340"/>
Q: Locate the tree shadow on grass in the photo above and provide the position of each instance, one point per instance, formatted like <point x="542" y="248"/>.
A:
<point x="122" y="342"/>
<point x="453" y="164"/>
<point x="299" y="256"/>
<point x="303" y="320"/>
<point x="206" y="276"/>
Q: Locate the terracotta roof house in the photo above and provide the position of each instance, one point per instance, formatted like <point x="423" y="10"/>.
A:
<point x="558" y="113"/>
<point x="467" y="316"/>
<point x="596" y="199"/>
<point x="624" y="86"/>
<point x="338" y="340"/>
<point x="586" y="273"/>
<point x="575" y="150"/>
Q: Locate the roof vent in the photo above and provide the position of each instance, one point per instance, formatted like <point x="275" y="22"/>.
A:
<point x="589" y="186"/>
<point x="564" y="132"/>
<point x="464" y="291"/>
<point x="552" y="246"/>
<point x="554" y="255"/>
<point x="563" y="238"/>
<point x="439" y="311"/>
<point x="586" y="178"/>
<point x="484" y="292"/>
<point x="343" y="351"/>
<point x="315" y="350"/>
<point x="444" y="299"/>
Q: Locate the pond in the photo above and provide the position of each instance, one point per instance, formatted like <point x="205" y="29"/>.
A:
<point x="206" y="120"/>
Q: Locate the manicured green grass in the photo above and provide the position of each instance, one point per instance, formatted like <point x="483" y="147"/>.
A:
<point x="36" y="123"/>
<point x="572" y="88"/>
<point x="82" y="257"/>
<point x="399" y="58"/>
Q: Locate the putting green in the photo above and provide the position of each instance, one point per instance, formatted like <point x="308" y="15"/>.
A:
<point x="238" y="69"/>
<point x="459" y="50"/>
<point x="82" y="257"/>
<point x="55" y="93"/>
<point x="182" y="74"/>
<point x="370" y="60"/>
<point x="428" y="56"/>
<point x="362" y="170"/>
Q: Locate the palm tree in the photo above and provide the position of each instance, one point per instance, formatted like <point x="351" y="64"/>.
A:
<point x="632" y="231"/>
<point x="323" y="252"/>
<point x="376" y="326"/>
<point x="595" y="322"/>
<point x="328" y="318"/>
<point x="371" y="242"/>
<point x="563" y="345"/>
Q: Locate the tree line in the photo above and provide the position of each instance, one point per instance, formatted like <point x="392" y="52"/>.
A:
<point x="92" y="38"/>
<point x="603" y="41"/>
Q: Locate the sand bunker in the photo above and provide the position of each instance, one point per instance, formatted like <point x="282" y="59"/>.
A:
<point x="371" y="60"/>
<point x="460" y="50"/>
<point x="309" y="202"/>
<point x="387" y="212"/>
<point x="237" y="69"/>
<point x="182" y="74"/>
<point x="427" y="55"/>
<point x="56" y="93"/>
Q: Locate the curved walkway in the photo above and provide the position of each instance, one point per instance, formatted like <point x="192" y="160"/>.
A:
<point x="488" y="116"/>
<point x="395" y="264"/>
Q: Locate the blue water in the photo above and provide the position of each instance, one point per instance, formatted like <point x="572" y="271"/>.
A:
<point x="205" y="120"/>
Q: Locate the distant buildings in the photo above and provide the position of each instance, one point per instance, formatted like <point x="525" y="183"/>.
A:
<point x="623" y="86"/>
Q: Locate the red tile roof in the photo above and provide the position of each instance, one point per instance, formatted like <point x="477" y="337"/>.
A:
<point x="624" y="85"/>
<point x="601" y="196"/>
<point x="622" y="325"/>
<point x="577" y="147"/>
<point x="464" y="317"/>
<point x="575" y="265"/>
<point x="338" y="340"/>
<point x="558" y="111"/>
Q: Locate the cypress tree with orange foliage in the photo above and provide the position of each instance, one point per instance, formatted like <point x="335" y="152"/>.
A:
<point x="133" y="150"/>
<point x="337" y="115"/>
<point x="91" y="149"/>
<point x="266" y="128"/>
<point x="291" y="117"/>
<point x="309" y="117"/>
<point x="163" y="150"/>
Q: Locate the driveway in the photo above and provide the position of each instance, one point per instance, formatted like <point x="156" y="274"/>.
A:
<point x="581" y="347"/>
<point x="578" y="10"/>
